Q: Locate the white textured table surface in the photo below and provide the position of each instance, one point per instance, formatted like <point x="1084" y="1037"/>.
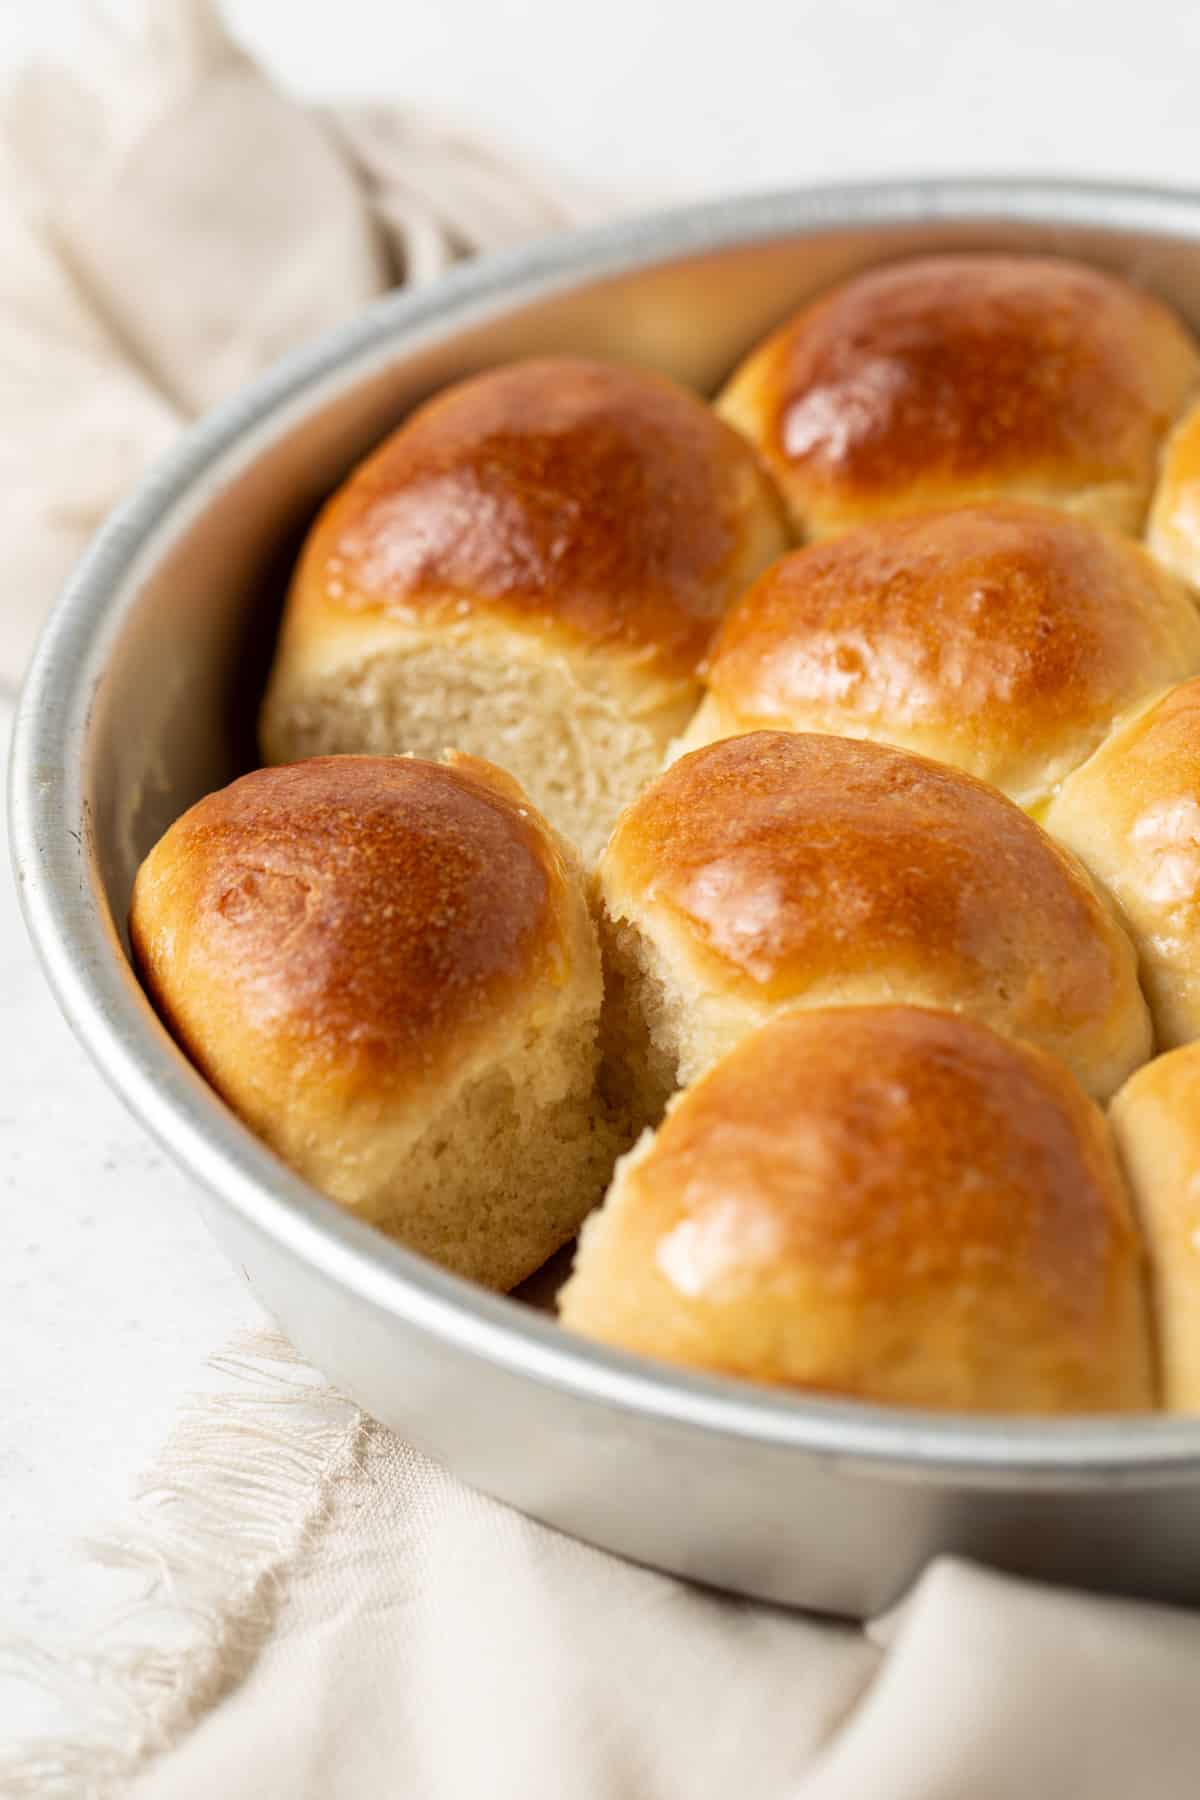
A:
<point x="111" y="1296"/>
<point x="672" y="96"/>
<point x="110" y="1292"/>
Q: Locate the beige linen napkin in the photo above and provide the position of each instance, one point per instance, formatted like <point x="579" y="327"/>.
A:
<point x="171" y="225"/>
<point x="327" y="1615"/>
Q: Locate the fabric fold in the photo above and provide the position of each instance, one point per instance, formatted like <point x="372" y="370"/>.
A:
<point x="172" y="225"/>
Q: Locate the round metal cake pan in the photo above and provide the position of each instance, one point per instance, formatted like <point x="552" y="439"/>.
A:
<point x="140" y="699"/>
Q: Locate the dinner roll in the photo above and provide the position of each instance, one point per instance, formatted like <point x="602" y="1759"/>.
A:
<point x="388" y="969"/>
<point x="779" y="868"/>
<point x="951" y="378"/>
<point x="529" y="569"/>
<point x="1156" y="1122"/>
<point x="1173" y="532"/>
<point x="1132" y="814"/>
<point x="884" y="1202"/>
<point x="1001" y="637"/>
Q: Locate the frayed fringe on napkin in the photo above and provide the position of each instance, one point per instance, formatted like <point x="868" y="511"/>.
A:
<point x="171" y="224"/>
<point x="224" y="1522"/>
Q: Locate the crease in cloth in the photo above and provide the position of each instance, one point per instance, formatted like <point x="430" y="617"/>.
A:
<point x="171" y="224"/>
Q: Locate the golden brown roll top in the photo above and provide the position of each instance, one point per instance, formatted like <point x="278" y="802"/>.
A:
<point x="1132" y="814"/>
<point x="530" y="568"/>
<point x="948" y="378"/>
<point x="598" y="503"/>
<point x="1173" y="532"/>
<point x="362" y="913"/>
<point x="779" y="868"/>
<point x="1002" y="637"/>
<point x="1156" y="1122"/>
<point x="364" y="955"/>
<point x="881" y="1202"/>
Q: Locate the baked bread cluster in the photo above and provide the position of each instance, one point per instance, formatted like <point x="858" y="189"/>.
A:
<point x="764" y="834"/>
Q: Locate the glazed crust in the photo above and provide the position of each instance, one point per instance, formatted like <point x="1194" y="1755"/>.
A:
<point x="1132" y="814"/>
<point x="886" y="1202"/>
<point x="1173" y="531"/>
<point x="946" y="378"/>
<point x="783" y="866"/>
<point x="599" y="505"/>
<point x="348" y="923"/>
<point x="1156" y="1122"/>
<point x="1002" y="637"/>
